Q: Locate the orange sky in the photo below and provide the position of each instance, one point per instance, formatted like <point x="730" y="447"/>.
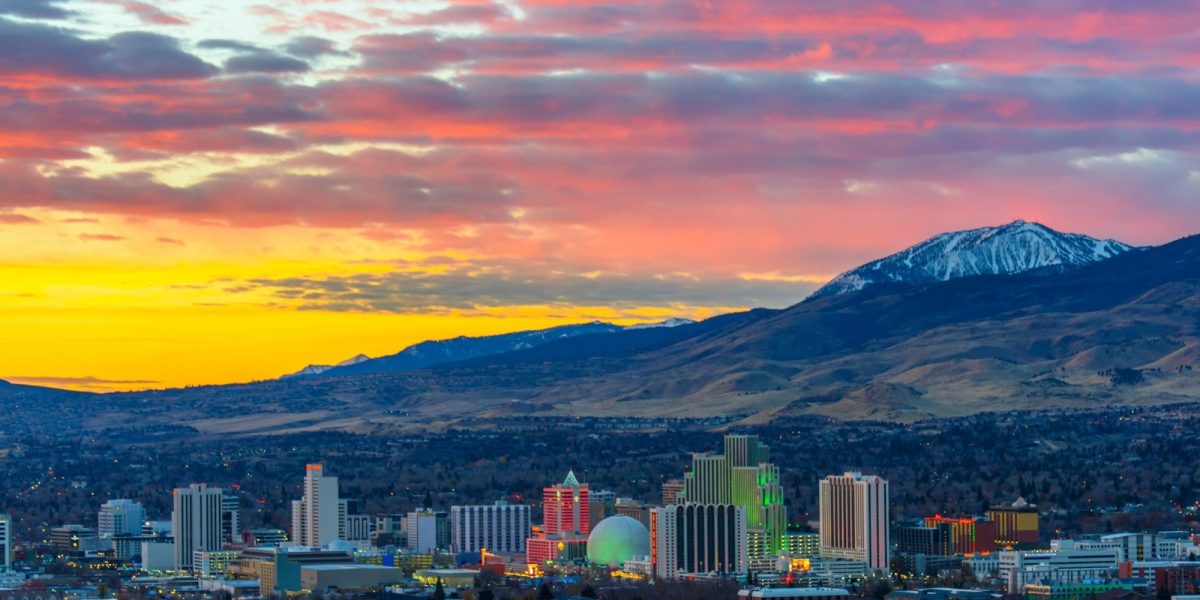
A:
<point x="191" y="195"/>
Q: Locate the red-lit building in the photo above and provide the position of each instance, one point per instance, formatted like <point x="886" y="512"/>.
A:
<point x="563" y="535"/>
<point x="565" y="507"/>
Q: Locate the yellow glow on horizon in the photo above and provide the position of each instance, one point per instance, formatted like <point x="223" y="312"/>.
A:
<point x="103" y="303"/>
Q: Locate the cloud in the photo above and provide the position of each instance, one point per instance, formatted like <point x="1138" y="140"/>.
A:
<point x="225" y="44"/>
<point x="167" y="240"/>
<point x="309" y="46"/>
<point x="36" y="49"/>
<point x="265" y="62"/>
<point x="100" y="237"/>
<point x="473" y="287"/>
<point x="150" y="14"/>
<point x="35" y="9"/>
<point x="17" y="219"/>
<point x="88" y="382"/>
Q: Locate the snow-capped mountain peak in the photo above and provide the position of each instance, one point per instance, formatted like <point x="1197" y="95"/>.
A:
<point x="1013" y="248"/>
<point x="672" y="322"/>
<point x="318" y="369"/>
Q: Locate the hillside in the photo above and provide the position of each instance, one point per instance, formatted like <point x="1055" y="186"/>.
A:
<point x="892" y="352"/>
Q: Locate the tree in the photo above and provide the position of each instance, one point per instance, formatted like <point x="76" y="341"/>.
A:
<point x="545" y="593"/>
<point x="439" y="592"/>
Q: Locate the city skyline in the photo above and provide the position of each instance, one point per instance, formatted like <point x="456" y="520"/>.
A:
<point x="199" y="196"/>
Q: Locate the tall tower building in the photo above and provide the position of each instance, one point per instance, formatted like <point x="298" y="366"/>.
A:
<point x="318" y="518"/>
<point x="565" y="524"/>
<point x="196" y="522"/>
<point x="742" y="476"/>
<point x="120" y="517"/>
<point x="565" y="508"/>
<point x="6" y="535"/>
<point x="855" y="523"/>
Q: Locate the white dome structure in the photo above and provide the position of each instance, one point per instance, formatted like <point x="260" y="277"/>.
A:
<point x="616" y="540"/>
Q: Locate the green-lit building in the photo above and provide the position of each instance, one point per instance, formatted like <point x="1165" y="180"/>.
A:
<point x="743" y="476"/>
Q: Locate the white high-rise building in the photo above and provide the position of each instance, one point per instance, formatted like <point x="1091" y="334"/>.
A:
<point x="120" y="517"/>
<point x="6" y="535"/>
<point x="501" y="527"/>
<point x="855" y="521"/>
<point x="319" y="518"/>
<point x="196" y="522"/>
<point x="698" y="539"/>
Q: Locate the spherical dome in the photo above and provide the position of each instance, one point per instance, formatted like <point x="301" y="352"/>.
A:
<point x="616" y="540"/>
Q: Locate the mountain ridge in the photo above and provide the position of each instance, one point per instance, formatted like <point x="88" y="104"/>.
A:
<point x="1016" y="247"/>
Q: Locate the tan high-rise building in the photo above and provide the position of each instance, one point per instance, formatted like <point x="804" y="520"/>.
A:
<point x="196" y="522"/>
<point x="319" y="518"/>
<point x="855" y="522"/>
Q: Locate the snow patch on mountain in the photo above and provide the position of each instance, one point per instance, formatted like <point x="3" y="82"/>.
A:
<point x="1013" y="248"/>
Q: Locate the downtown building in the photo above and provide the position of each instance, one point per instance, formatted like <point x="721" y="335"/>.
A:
<point x="196" y="522"/>
<point x="498" y="528"/>
<point x="743" y="476"/>
<point x="855" y="522"/>
<point x="319" y="517"/>
<point x="699" y="539"/>
<point x="120" y="517"/>
<point x="565" y="524"/>
<point x="428" y="531"/>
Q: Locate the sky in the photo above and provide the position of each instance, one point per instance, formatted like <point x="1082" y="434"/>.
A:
<point x="202" y="192"/>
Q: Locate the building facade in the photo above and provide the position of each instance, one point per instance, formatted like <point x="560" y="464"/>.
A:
<point x="1016" y="524"/>
<point x="196" y="522"/>
<point x="855" y="521"/>
<point x="501" y="527"/>
<point x="742" y="476"/>
<point x="319" y="517"/>
<point x="566" y="507"/>
<point x="120" y="517"/>
<point x="699" y="539"/>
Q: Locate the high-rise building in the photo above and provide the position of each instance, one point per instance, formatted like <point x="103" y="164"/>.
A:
<point x="120" y="517"/>
<point x="319" y="518"/>
<point x="6" y="542"/>
<point x="501" y="527"/>
<point x="1016" y="524"/>
<point x="742" y="476"/>
<point x="855" y="522"/>
<point x="196" y="522"/>
<point x="565" y="508"/>
<point x="428" y="531"/>
<point x="698" y="539"/>
<point x="565" y="524"/>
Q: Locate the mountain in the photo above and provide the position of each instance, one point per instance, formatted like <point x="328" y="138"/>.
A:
<point x="451" y="351"/>
<point x="426" y="354"/>
<point x="1014" y="248"/>
<point x="1120" y="332"/>
<point x="318" y="369"/>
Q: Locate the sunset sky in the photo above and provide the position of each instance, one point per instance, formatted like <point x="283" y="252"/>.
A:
<point x="206" y="192"/>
